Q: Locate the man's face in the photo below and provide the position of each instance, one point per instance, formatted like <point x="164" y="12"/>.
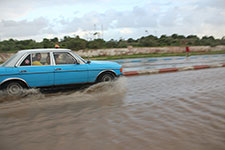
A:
<point x="38" y="57"/>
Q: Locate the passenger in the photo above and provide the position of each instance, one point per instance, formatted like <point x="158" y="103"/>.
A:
<point x="47" y="60"/>
<point x="37" y="60"/>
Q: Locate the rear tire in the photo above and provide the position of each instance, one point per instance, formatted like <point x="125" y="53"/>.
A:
<point x="106" y="77"/>
<point x="14" y="88"/>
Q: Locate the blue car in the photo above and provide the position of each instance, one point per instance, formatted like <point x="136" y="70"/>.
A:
<point x="52" y="67"/>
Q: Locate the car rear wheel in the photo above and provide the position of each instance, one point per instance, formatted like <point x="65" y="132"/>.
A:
<point x="106" y="77"/>
<point x="14" y="88"/>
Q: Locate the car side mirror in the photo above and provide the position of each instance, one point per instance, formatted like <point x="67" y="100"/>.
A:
<point x="88" y="62"/>
<point x="76" y="62"/>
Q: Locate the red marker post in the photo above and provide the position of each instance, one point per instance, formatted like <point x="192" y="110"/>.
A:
<point x="187" y="51"/>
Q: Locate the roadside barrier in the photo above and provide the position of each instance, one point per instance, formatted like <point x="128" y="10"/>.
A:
<point x="166" y="70"/>
<point x="166" y="59"/>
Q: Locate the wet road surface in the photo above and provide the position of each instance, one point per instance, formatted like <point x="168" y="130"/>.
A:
<point x="173" y="111"/>
<point x="170" y="62"/>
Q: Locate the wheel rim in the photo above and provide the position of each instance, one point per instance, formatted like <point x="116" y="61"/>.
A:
<point x="14" y="89"/>
<point x="107" y="78"/>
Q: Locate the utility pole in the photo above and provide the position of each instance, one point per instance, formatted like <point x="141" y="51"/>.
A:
<point x="102" y="30"/>
<point x="94" y="31"/>
<point x="146" y="31"/>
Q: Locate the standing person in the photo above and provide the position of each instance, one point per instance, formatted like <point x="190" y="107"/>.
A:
<point x="187" y="51"/>
<point x="48" y="60"/>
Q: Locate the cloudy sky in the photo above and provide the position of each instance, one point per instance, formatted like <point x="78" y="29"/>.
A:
<point x="111" y="19"/>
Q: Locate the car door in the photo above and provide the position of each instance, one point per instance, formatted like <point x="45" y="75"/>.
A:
<point x="37" y="75"/>
<point x="68" y="70"/>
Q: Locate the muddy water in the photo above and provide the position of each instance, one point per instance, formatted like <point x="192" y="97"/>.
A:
<point x="183" y="110"/>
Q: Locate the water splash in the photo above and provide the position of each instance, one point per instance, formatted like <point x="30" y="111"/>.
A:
<point x="97" y="91"/>
<point x="26" y="93"/>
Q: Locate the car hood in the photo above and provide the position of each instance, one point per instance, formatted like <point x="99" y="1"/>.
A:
<point x="106" y="64"/>
<point x="103" y="62"/>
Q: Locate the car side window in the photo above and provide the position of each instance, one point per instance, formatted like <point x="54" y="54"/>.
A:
<point x="39" y="59"/>
<point x="62" y="58"/>
<point x="26" y="61"/>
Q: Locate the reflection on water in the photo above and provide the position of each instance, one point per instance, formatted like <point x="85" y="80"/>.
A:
<point x="183" y="110"/>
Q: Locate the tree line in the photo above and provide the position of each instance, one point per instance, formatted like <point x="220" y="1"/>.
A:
<point x="77" y="43"/>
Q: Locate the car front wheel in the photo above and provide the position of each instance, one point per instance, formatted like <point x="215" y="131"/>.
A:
<point x="106" y="77"/>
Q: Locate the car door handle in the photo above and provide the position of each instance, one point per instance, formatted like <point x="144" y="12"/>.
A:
<point x="23" y="71"/>
<point x="58" y="69"/>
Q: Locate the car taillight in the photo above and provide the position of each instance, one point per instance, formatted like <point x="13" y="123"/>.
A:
<point x="121" y="69"/>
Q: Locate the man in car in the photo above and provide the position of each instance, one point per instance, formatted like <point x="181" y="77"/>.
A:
<point x="37" y="59"/>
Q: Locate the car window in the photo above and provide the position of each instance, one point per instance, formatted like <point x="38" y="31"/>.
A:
<point x="26" y="61"/>
<point x="40" y="59"/>
<point x="9" y="60"/>
<point x="62" y="58"/>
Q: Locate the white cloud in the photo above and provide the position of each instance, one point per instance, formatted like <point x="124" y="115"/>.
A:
<point x="16" y="29"/>
<point x="13" y="9"/>
<point x="126" y="31"/>
<point x="138" y="17"/>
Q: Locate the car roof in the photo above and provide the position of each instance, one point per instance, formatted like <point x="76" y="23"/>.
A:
<point x="43" y="50"/>
<point x="19" y="54"/>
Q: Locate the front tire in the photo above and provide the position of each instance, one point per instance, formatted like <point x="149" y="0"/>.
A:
<point x="14" y="88"/>
<point x="106" y="77"/>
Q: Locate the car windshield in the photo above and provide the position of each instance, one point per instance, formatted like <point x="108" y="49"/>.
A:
<point x="9" y="60"/>
<point x="79" y="57"/>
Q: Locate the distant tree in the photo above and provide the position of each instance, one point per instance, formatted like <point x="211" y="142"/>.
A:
<point x="192" y="40"/>
<point x="46" y="43"/>
<point x="174" y="36"/>
<point x="222" y="41"/>
<point x="96" y="44"/>
<point x="163" y="36"/>
<point x="122" y="43"/>
<point x="223" y="38"/>
<point x="181" y="37"/>
<point x="148" y="41"/>
<point x="111" y="44"/>
<point x="192" y="37"/>
<point x="130" y="40"/>
<point x="76" y="43"/>
<point x="55" y="40"/>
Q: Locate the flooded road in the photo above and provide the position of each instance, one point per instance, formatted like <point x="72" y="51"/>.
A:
<point x="170" y="62"/>
<point x="173" y="111"/>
